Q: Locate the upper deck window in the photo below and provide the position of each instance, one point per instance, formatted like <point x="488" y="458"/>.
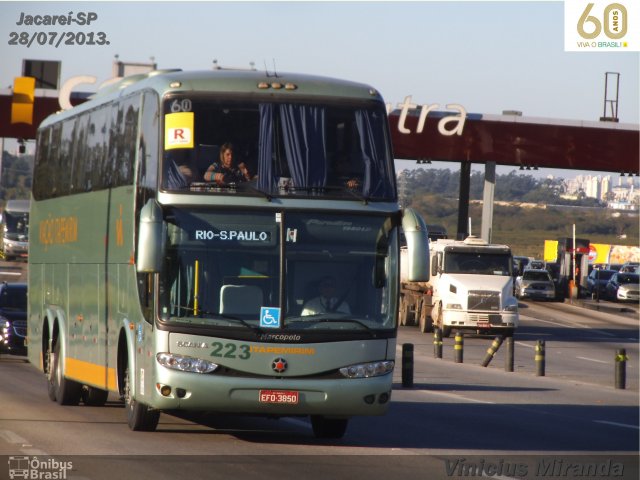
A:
<point x="292" y="149"/>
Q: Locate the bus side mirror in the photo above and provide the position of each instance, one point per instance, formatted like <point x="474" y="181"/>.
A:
<point x="434" y="269"/>
<point x="415" y="231"/>
<point x="151" y="239"/>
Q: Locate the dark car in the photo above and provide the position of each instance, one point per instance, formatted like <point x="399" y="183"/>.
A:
<point x="624" y="287"/>
<point x="13" y="318"/>
<point x="597" y="282"/>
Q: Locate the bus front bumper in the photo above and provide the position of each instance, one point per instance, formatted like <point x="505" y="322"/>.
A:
<point x="331" y="397"/>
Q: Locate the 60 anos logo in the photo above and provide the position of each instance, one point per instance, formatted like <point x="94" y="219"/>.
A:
<point x="613" y="22"/>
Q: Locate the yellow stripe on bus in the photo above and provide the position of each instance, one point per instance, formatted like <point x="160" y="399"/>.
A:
<point x="90" y="373"/>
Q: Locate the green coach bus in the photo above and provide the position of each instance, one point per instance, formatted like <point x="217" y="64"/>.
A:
<point x="175" y="288"/>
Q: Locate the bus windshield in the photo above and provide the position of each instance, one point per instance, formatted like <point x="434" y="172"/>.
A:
<point x="336" y="150"/>
<point x="477" y="263"/>
<point x="222" y="268"/>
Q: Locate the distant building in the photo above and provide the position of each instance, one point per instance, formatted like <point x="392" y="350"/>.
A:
<point x="603" y="188"/>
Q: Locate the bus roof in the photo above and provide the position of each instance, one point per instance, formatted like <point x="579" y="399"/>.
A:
<point x="257" y="83"/>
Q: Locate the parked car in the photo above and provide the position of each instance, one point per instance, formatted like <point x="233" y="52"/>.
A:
<point x="624" y="287"/>
<point x="597" y="282"/>
<point x="535" y="283"/>
<point x="630" y="267"/>
<point x="13" y="318"/>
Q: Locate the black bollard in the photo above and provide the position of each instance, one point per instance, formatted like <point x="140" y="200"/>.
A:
<point x="539" y="357"/>
<point x="491" y="352"/>
<point x="458" y="347"/>
<point x="508" y="359"/>
<point x="407" y="365"/>
<point x="437" y="342"/>
<point x="621" y="368"/>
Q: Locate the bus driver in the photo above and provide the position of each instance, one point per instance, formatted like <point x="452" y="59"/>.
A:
<point x="224" y="172"/>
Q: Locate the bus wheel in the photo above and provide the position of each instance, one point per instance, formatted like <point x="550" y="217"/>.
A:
<point x="324" y="427"/>
<point x="139" y="417"/>
<point x="60" y="389"/>
<point x="95" y="397"/>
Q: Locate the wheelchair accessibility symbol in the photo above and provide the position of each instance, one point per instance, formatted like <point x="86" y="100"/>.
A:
<point x="270" y="317"/>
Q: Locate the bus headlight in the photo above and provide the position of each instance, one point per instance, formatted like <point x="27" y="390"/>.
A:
<point x="366" y="370"/>
<point x="453" y="306"/>
<point x="185" y="363"/>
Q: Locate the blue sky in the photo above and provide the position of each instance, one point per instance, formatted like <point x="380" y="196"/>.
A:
<point x="487" y="56"/>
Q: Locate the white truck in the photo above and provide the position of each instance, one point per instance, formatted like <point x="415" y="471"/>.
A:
<point x="470" y="288"/>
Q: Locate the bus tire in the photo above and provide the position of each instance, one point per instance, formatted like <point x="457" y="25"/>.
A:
<point x="61" y="389"/>
<point x="324" y="427"/>
<point x="94" y="397"/>
<point x="140" y="417"/>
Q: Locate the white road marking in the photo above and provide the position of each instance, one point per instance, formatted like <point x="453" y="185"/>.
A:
<point x="12" y="437"/>
<point x="568" y="324"/>
<point x="458" y="397"/>
<point x="592" y="360"/>
<point x="25" y="447"/>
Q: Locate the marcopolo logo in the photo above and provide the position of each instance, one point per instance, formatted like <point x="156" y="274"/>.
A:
<point x="601" y="26"/>
<point x="38" y="468"/>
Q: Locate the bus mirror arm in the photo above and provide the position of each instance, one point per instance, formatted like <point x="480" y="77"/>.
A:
<point x="415" y="231"/>
<point x="151" y="238"/>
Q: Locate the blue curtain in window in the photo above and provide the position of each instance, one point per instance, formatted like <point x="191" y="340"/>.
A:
<point x="266" y="178"/>
<point x="377" y="182"/>
<point x="303" y="133"/>
<point x="174" y="180"/>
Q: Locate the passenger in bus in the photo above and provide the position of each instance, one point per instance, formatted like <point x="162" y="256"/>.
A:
<point x="327" y="301"/>
<point x="179" y="172"/>
<point x="224" y="172"/>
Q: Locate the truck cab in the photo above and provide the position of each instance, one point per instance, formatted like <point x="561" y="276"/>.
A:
<point x="472" y="286"/>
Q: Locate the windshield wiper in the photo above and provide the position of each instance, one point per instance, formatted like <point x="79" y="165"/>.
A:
<point x="330" y="318"/>
<point x="266" y="195"/>
<point x="216" y="315"/>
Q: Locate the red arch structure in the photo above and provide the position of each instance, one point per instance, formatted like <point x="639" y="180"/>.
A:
<point x="522" y="141"/>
